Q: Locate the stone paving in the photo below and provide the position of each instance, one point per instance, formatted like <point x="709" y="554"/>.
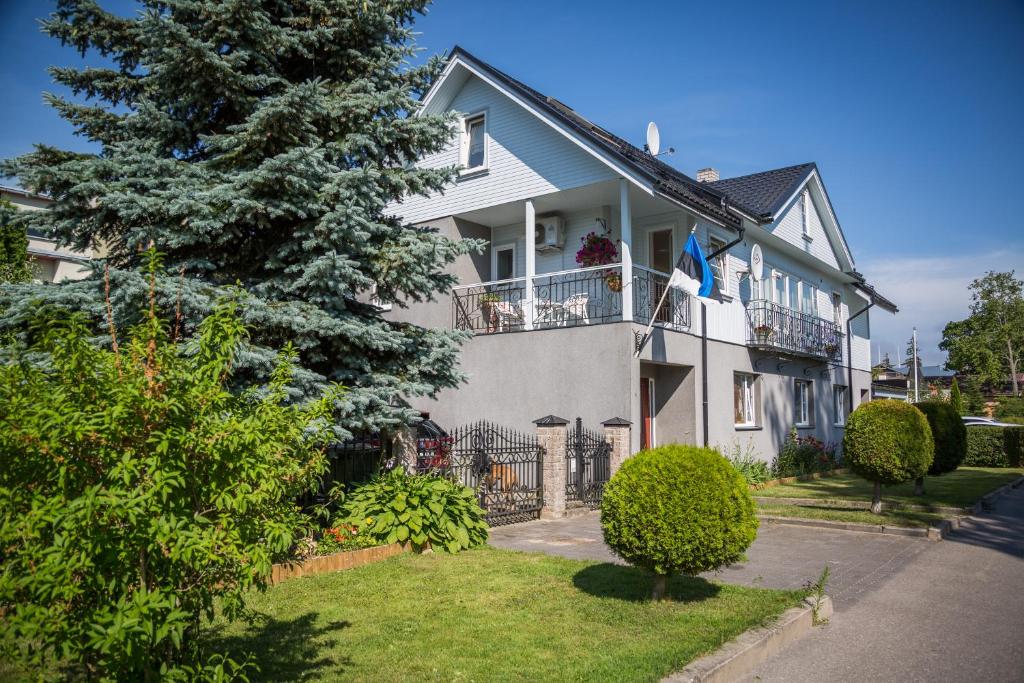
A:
<point x="783" y="556"/>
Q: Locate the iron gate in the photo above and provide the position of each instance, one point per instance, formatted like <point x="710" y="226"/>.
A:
<point x="503" y="466"/>
<point x="587" y="466"/>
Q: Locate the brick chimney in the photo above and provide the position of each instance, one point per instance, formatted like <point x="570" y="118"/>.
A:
<point x="707" y="175"/>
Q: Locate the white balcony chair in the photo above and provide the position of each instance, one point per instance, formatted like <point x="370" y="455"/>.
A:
<point x="576" y="307"/>
<point x="508" y="315"/>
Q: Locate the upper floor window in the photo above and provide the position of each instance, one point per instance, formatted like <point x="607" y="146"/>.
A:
<point x="805" y="213"/>
<point x="504" y="262"/>
<point x="719" y="264"/>
<point x="837" y="307"/>
<point x="473" y="155"/>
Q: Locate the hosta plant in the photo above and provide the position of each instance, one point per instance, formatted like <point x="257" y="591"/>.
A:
<point x="421" y="509"/>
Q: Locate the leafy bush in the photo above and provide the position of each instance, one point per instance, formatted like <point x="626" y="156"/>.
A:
<point x="754" y="470"/>
<point x="888" y="441"/>
<point x="988" y="446"/>
<point x="418" y="508"/>
<point x="1013" y="442"/>
<point x="949" y="434"/>
<point x="678" y="509"/>
<point x="803" y="455"/>
<point x="1009" y="407"/>
<point x="136" y="490"/>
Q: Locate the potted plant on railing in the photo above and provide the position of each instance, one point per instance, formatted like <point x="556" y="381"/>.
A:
<point x="488" y="309"/>
<point x="598" y="250"/>
<point x="763" y="333"/>
<point x="831" y="348"/>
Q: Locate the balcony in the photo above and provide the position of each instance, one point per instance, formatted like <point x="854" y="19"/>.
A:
<point x="568" y="298"/>
<point x="771" y="327"/>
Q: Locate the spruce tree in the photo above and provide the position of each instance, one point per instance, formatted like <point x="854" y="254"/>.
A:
<point x="262" y="144"/>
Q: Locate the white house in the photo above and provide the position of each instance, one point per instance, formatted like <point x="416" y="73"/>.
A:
<point x="553" y="337"/>
<point x="51" y="262"/>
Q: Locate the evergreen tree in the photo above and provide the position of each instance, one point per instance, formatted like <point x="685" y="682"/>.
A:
<point x="955" y="399"/>
<point x="263" y="143"/>
<point x="14" y="264"/>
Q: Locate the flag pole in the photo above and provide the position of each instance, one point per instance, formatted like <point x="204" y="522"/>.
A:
<point x="654" y="314"/>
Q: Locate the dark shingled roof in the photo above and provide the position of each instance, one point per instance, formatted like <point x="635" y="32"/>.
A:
<point x="665" y="179"/>
<point x="763" y="194"/>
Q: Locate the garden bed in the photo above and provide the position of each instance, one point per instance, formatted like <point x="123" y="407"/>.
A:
<point x="335" y="562"/>
<point x="492" y="615"/>
<point x="792" y="480"/>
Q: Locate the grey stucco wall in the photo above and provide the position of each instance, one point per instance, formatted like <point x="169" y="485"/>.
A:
<point x="518" y="377"/>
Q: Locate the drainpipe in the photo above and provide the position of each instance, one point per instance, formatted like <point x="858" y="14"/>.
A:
<point x="704" y="339"/>
<point x="849" y="350"/>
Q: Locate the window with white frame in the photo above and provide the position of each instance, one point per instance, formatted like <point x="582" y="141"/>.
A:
<point x="745" y="399"/>
<point x="377" y="301"/>
<point x="473" y="156"/>
<point x="803" y="404"/>
<point x="805" y="213"/>
<point x="504" y="264"/>
<point x="837" y="307"/>
<point x="838" y="405"/>
<point x="808" y="299"/>
<point x="719" y="265"/>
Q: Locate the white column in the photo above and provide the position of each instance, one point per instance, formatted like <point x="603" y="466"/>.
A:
<point x="531" y="264"/>
<point x="626" y="225"/>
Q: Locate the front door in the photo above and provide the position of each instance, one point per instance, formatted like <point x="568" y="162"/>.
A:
<point x="646" y="413"/>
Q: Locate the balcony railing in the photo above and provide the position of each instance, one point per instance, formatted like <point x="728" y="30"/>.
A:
<point x="568" y="298"/>
<point x="777" y="328"/>
<point x="648" y="288"/>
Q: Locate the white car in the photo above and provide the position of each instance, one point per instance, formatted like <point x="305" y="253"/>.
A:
<point x="985" y="422"/>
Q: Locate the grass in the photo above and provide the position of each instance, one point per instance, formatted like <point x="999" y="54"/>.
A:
<point x="491" y="615"/>
<point x="904" y="518"/>
<point x="961" y="488"/>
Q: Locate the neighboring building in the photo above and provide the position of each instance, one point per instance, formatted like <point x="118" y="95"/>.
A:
<point x="550" y="337"/>
<point x="889" y="382"/>
<point x="51" y="263"/>
<point x="938" y="381"/>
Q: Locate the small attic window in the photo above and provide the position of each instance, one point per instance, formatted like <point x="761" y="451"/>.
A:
<point x="473" y="153"/>
<point x="805" y="213"/>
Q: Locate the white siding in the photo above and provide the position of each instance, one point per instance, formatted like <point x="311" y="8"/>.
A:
<point x="577" y="225"/>
<point x="526" y="158"/>
<point x="790" y="228"/>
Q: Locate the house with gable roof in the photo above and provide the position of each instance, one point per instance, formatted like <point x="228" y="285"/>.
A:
<point x="583" y="230"/>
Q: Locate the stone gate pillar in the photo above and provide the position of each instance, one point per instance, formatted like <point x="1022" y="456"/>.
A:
<point x="616" y="433"/>
<point x="552" y="435"/>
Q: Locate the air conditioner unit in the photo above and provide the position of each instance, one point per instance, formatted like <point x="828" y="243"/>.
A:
<point x="549" y="233"/>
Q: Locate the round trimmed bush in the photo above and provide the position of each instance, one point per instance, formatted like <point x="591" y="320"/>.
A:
<point x="678" y="509"/>
<point x="888" y="442"/>
<point x="948" y="433"/>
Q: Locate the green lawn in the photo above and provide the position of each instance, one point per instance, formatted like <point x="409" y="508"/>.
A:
<point x="491" y="615"/>
<point x="960" y="488"/>
<point x="905" y="518"/>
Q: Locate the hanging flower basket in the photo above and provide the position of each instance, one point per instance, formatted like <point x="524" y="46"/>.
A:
<point x="597" y="250"/>
<point x="763" y="333"/>
<point x="614" y="282"/>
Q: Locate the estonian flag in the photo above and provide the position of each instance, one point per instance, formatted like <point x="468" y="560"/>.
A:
<point x="693" y="275"/>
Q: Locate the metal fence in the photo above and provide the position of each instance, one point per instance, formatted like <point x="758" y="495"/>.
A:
<point x="587" y="466"/>
<point x="775" y="327"/>
<point x="501" y="465"/>
<point x="350" y="463"/>
<point x="584" y="296"/>
<point x="648" y="288"/>
<point x="490" y="306"/>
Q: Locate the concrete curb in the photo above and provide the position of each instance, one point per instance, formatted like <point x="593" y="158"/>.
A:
<point x="859" y="505"/>
<point x="754" y="647"/>
<point x="932" y="533"/>
<point x="989" y="499"/>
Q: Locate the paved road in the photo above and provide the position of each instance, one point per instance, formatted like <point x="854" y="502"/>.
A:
<point x="954" y="613"/>
<point x="781" y="557"/>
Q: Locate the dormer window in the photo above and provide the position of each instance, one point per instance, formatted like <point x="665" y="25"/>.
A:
<point x="474" y="143"/>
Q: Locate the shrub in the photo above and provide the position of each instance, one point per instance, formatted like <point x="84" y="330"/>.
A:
<point x="341" y="537"/>
<point x="985" y="447"/>
<point x="1009" y="407"/>
<point x="754" y="470"/>
<point x="136" y="491"/>
<point x="420" y="509"/>
<point x="803" y="455"/>
<point x="678" y="509"/>
<point x="955" y="398"/>
<point x="1013" y="442"/>
<point x="949" y="434"/>
<point x="888" y="442"/>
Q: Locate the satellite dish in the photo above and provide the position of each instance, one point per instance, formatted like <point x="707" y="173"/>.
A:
<point x="757" y="263"/>
<point x="653" y="138"/>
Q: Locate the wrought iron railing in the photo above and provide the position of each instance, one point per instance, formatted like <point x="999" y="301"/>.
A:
<point x="771" y="326"/>
<point x="490" y="306"/>
<point x="648" y="288"/>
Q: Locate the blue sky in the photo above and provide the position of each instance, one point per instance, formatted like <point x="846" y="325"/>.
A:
<point x="912" y="111"/>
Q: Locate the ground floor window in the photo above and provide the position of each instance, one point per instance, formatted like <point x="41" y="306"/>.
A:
<point x="745" y="399"/>
<point x="839" y="405"/>
<point x="803" y="403"/>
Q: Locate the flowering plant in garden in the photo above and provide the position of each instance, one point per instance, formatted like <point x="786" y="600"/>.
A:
<point x="804" y="455"/>
<point x="597" y="250"/>
<point x="343" y="537"/>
